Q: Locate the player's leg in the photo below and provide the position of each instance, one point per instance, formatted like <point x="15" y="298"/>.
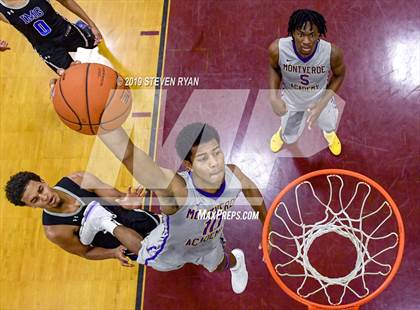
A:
<point x="78" y="35"/>
<point x="327" y="121"/>
<point x="128" y="238"/>
<point x="219" y="260"/>
<point x="96" y="218"/>
<point x="292" y="125"/>
<point x="55" y="57"/>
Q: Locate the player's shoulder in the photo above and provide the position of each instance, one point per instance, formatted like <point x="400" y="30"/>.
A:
<point x="77" y="176"/>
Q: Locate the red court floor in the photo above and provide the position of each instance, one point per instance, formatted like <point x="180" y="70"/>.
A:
<point x="224" y="43"/>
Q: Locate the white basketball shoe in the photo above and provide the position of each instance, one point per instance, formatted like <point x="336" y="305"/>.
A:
<point x="94" y="220"/>
<point x="239" y="273"/>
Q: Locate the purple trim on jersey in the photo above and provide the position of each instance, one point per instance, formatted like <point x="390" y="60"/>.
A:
<point x="163" y="243"/>
<point x="304" y="59"/>
<point x="215" y="195"/>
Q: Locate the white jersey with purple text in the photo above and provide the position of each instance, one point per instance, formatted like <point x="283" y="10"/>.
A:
<point x="304" y="80"/>
<point x="184" y="237"/>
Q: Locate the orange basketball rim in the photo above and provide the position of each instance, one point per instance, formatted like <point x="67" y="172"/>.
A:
<point x="333" y="172"/>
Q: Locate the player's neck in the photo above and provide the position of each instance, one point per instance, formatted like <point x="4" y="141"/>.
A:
<point x="205" y="187"/>
<point x="67" y="204"/>
<point x="15" y="4"/>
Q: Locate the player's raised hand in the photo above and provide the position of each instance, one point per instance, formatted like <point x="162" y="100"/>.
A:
<point x="60" y="73"/>
<point x="97" y="34"/>
<point x="119" y="254"/>
<point x="279" y="106"/>
<point x="133" y="199"/>
<point x="4" y="46"/>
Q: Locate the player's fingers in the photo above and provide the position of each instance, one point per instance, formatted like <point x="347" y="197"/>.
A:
<point x="129" y="189"/>
<point x="60" y="71"/>
<point x="52" y="84"/>
<point x="141" y="191"/>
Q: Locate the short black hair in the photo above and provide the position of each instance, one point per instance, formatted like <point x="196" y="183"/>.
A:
<point x="17" y="185"/>
<point x="193" y="135"/>
<point x="302" y="16"/>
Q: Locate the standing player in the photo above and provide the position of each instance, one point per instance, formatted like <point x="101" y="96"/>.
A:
<point x="63" y="206"/>
<point x="51" y="35"/>
<point x="207" y="185"/>
<point x="301" y="63"/>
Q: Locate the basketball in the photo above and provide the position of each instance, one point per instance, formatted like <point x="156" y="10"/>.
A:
<point x="91" y="98"/>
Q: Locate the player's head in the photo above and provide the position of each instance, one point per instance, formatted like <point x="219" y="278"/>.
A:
<point x="198" y="145"/>
<point x="27" y="188"/>
<point x="306" y="27"/>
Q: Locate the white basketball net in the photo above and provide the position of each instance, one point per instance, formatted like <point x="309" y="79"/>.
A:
<point x="339" y="222"/>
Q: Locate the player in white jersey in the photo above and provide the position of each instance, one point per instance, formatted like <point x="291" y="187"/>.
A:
<point x="301" y="64"/>
<point x="183" y="237"/>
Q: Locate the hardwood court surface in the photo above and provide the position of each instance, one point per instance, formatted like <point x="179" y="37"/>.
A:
<point x="35" y="274"/>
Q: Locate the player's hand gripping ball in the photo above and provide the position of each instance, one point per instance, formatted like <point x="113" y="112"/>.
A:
<point x="91" y="98"/>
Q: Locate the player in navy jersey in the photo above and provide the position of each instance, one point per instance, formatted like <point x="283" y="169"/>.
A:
<point x="50" y="34"/>
<point x="300" y="64"/>
<point x="63" y="206"/>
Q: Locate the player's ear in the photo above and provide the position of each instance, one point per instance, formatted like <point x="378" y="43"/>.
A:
<point x="187" y="164"/>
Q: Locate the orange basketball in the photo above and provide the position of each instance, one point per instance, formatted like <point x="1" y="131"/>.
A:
<point x="91" y="98"/>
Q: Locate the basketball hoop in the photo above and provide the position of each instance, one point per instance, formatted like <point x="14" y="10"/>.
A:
<point x="346" y="205"/>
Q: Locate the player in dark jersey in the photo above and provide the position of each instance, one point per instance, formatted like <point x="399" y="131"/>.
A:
<point x="63" y="206"/>
<point x="51" y="35"/>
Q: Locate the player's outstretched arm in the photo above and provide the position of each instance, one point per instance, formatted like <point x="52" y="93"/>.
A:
<point x="66" y="238"/>
<point x="139" y="164"/>
<point x="73" y="7"/>
<point x="274" y="79"/>
<point x="130" y="200"/>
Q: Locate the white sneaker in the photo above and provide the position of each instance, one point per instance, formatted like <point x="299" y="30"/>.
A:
<point x="92" y="221"/>
<point x="239" y="272"/>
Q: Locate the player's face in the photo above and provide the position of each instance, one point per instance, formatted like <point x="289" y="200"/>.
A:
<point x="40" y="195"/>
<point x="208" y="165"/>
<point x="306" y="38"/>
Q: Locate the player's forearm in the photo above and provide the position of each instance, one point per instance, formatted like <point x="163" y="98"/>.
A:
<point x="331" y="90"/>
<point x="137" y="162"/>
<point x="274" y="81"/>
<point x="97" y="253"/>
<point x="109" y="193"/>
<point x="256" y="200"/>
<point x="73" y="7"/>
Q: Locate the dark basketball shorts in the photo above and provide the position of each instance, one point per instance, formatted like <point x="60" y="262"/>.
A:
<point x="56" y="53"/>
